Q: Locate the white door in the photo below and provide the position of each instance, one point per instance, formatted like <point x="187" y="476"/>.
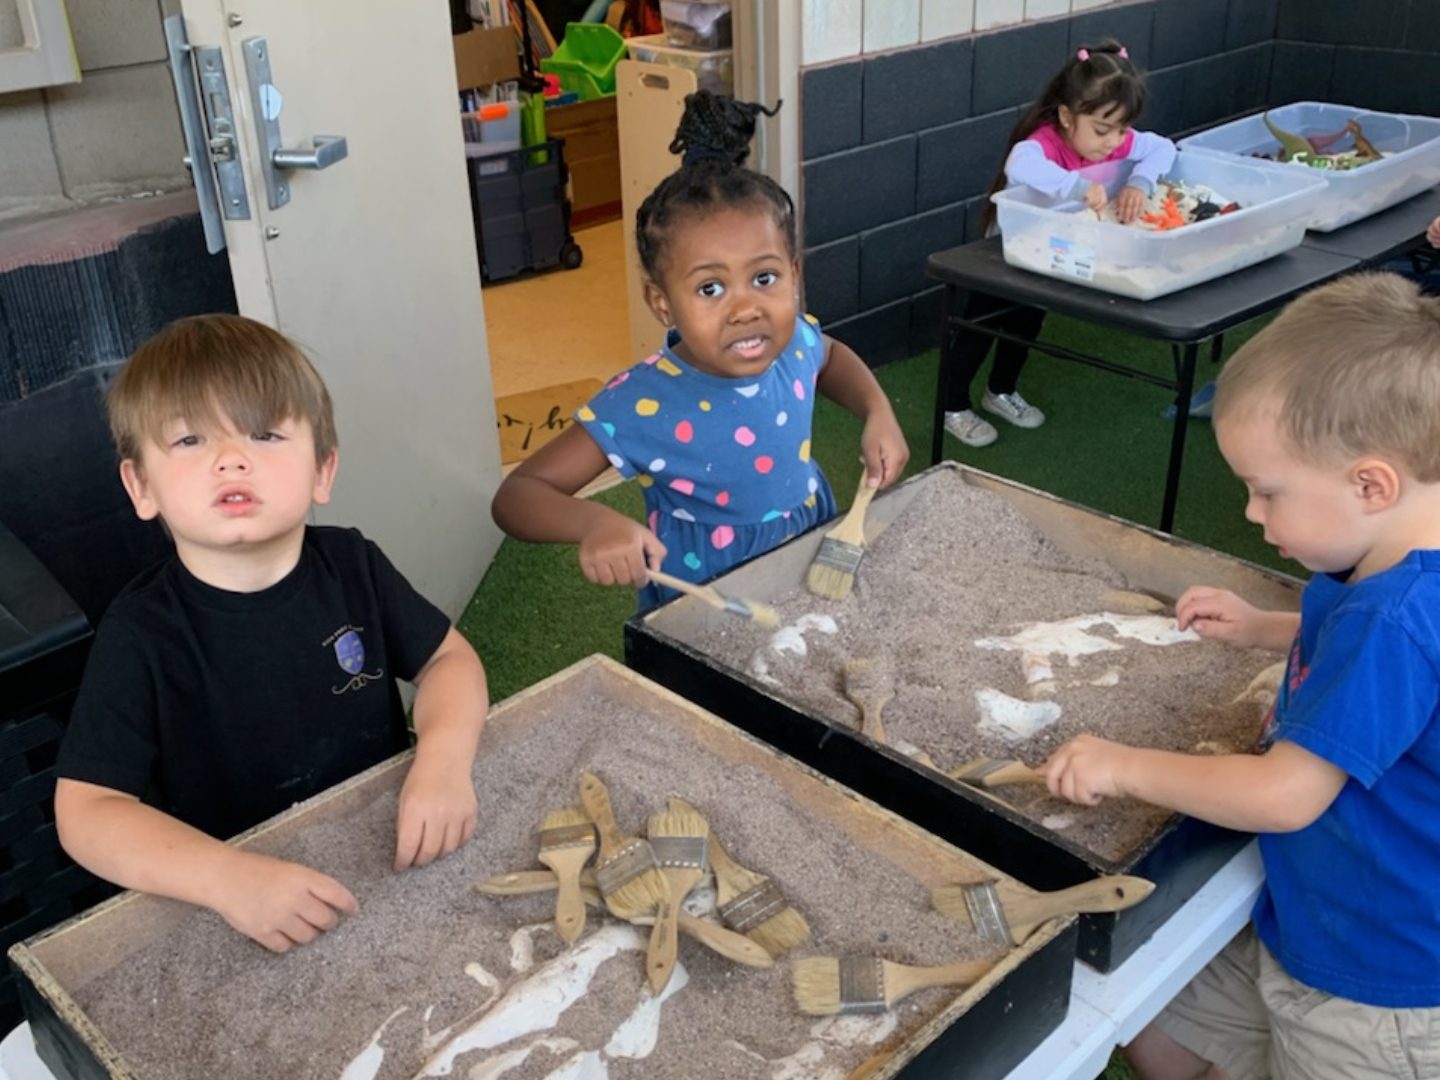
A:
<point x="371" y="264"/>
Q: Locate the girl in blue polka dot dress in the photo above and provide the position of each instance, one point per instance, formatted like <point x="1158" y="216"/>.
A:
<point x="716" y="425"/>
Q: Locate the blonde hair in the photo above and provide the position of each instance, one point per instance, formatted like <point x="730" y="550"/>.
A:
<point x="208" y="369"/>
<point x="1354" y="368"/>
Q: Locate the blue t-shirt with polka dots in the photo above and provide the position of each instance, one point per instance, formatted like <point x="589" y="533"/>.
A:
<point x="724" y="463"/>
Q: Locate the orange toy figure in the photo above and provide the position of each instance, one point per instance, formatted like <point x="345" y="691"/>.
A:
<point x="1168" y="218"/>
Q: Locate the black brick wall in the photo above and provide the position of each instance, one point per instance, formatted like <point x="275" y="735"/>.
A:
<point x="898" y="149"/>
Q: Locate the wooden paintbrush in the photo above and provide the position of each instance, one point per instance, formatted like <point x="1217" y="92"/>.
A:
<point x="870" y="688"/>
<point x="679" y="836"/>
<point x="752" y="904"/>
<point x="826" y="985"/>
<point x="832" y="572"/>
<point x="993" y="772"/>
<point x="763" y="614"/>
<point x="1005" y="913"/>
<point x="713" y="936"/>
<point x="567" y="840"/>
<point x="626" y="871"/>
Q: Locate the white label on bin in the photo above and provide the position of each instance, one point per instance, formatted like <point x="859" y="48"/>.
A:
<point x="1072" y="259"/>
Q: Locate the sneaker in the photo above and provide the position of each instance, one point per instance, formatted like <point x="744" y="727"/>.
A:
<point x="1014" y="408"/>
<point x="970" y="429"/>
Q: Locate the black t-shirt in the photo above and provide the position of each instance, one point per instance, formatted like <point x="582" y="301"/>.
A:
<point x="224" y="708"/>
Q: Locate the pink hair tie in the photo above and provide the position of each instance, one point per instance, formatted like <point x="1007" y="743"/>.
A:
<point x="1124" y="53"/>
<point x="1083" y="54"/>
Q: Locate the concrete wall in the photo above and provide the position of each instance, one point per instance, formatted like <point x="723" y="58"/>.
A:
<point x="117" y="132"/>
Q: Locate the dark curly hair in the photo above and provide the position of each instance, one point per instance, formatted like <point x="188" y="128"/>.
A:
<point x="714" y="139"/>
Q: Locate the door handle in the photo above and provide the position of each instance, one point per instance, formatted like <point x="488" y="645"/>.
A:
<point x="275" y="157"/>
<point x="327" y="150"/>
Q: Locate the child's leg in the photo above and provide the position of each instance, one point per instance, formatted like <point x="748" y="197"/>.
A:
<point x="969" y="351"/>
<point x="1010" y="356"/>
<point x="1217" y="1022"/>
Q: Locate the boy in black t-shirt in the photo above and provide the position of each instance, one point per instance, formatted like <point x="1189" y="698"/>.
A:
<point x="257" y="667"/>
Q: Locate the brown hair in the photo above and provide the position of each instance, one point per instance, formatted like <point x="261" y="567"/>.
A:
<point x="1354" y="368"/>
<point x="209" y="368"/>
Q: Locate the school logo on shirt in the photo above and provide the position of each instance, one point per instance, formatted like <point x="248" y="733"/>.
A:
<point x="349" y="649"/>
<point x="1296" y="671"/>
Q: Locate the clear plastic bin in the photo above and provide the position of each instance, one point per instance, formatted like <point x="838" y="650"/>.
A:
<point x="1065" y="241"/>
<point x="1412" y="141"/>
<point x="714" y="70"/>
<point x="696" y="24"/>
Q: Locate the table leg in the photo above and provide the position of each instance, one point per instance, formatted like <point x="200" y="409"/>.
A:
<point x="950" y="304"/>
<point x="1183" y="392"/>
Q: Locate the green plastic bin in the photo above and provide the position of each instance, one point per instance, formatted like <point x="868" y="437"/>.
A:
<point x="585" y="60"/>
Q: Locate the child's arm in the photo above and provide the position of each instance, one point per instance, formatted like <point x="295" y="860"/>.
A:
<point x="1028" y="165"/>
<point x="536" y="502"/>
<point x="845" y="380"/>
<point x="1282" y="790"/>
<point x="1433" y="233"/>
<point x="116" y="836"/>
<point x="437" y="801"/>
<point x="1220" y="614"/>
<point x="1153" y="155"/>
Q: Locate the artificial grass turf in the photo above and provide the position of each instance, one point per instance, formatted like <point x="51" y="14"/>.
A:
<point x="1104" y="445"/>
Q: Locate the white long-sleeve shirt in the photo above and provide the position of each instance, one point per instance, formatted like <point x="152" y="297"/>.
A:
<point x="1027" y="164"/>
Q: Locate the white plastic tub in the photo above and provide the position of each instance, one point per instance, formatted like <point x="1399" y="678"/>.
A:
<point x="1412" y="141"/>
<point x="1065" y="241"/>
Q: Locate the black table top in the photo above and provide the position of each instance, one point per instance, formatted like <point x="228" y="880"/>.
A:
<point x="1381" y="236"/>
<point x="1201" y="311"/>
<point x="1192" y="314"/>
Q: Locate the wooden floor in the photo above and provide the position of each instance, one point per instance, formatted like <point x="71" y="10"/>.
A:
<point x="561" y="325"/>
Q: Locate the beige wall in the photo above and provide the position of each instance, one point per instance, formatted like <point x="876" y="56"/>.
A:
<point x="115" y="133"/>
<point x="840" y="29"/>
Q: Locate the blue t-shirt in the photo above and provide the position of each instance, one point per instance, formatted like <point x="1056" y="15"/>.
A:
<point x="724" y="463"/>
<point x="1351" y="903"/>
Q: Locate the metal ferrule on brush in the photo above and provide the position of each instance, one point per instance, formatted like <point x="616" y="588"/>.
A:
<point x="629" y="863"/>
<point x="753" y="907"/>
<point x="682" y="852"/>
<point x="738" y="607"/>
<point x="839" y="555"/>
<point x="862" y="985"/>
<point x="567" y="836"/>
<point x="986" y="914"/>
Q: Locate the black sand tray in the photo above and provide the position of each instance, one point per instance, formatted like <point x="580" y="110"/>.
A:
<point x="981" y="1031"/>
<point x="1178" y="857"/>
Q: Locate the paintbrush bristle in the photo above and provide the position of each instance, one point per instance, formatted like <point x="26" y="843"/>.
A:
<point x="639" y="896"/>
<point x="829" y="581"/>
<point x="679" y="821"/>
<point x="783" y="931"/>
<point x="817" y="985"/>
<point x="560" y="819"/>
<point x="950" y="900"/>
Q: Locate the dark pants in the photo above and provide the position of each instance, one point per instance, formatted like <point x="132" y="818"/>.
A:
<point x="970" y="347"/>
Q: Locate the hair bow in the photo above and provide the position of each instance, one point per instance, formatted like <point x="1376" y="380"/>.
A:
<point x="1122" y="52"/>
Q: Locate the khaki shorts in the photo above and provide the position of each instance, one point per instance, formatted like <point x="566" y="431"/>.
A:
<point x="1247" y="1015"/>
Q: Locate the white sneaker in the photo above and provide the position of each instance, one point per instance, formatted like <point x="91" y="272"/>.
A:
<point x="970" y="429"/>
<point x="1014" y="408"/>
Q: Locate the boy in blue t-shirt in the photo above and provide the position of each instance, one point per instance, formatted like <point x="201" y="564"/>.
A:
<point x="257" y="667"/>
<point x="1331" y="416"/>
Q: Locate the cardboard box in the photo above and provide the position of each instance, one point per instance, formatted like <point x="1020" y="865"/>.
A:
<point x="483" y="57"/>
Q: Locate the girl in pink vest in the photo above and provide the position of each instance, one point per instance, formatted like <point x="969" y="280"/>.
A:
<point x="1083" y="117"/>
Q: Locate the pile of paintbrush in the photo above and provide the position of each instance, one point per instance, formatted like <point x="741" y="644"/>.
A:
<point x="645" y="880"/>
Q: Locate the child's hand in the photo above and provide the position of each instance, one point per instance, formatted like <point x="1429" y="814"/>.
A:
<point x="1219" y="614"/>
<point x="281" y="904"/>
<point x="1095" y="197"/>
<point x="883" y="449"/>
<point x="619" y="551"/>
<point x="1129" y="204"/>
<point x="1433" y="233"/>
<point x="436" y="814"/>
<point x="1086" y="770"/>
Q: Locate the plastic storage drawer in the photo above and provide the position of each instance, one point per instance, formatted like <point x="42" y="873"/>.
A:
<point x="1063" y="240"/>
<point x="1413" y="143"/>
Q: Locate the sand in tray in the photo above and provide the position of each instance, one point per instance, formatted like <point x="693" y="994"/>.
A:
<point x="428" y="959"/>
<point x="960" y="572"/>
